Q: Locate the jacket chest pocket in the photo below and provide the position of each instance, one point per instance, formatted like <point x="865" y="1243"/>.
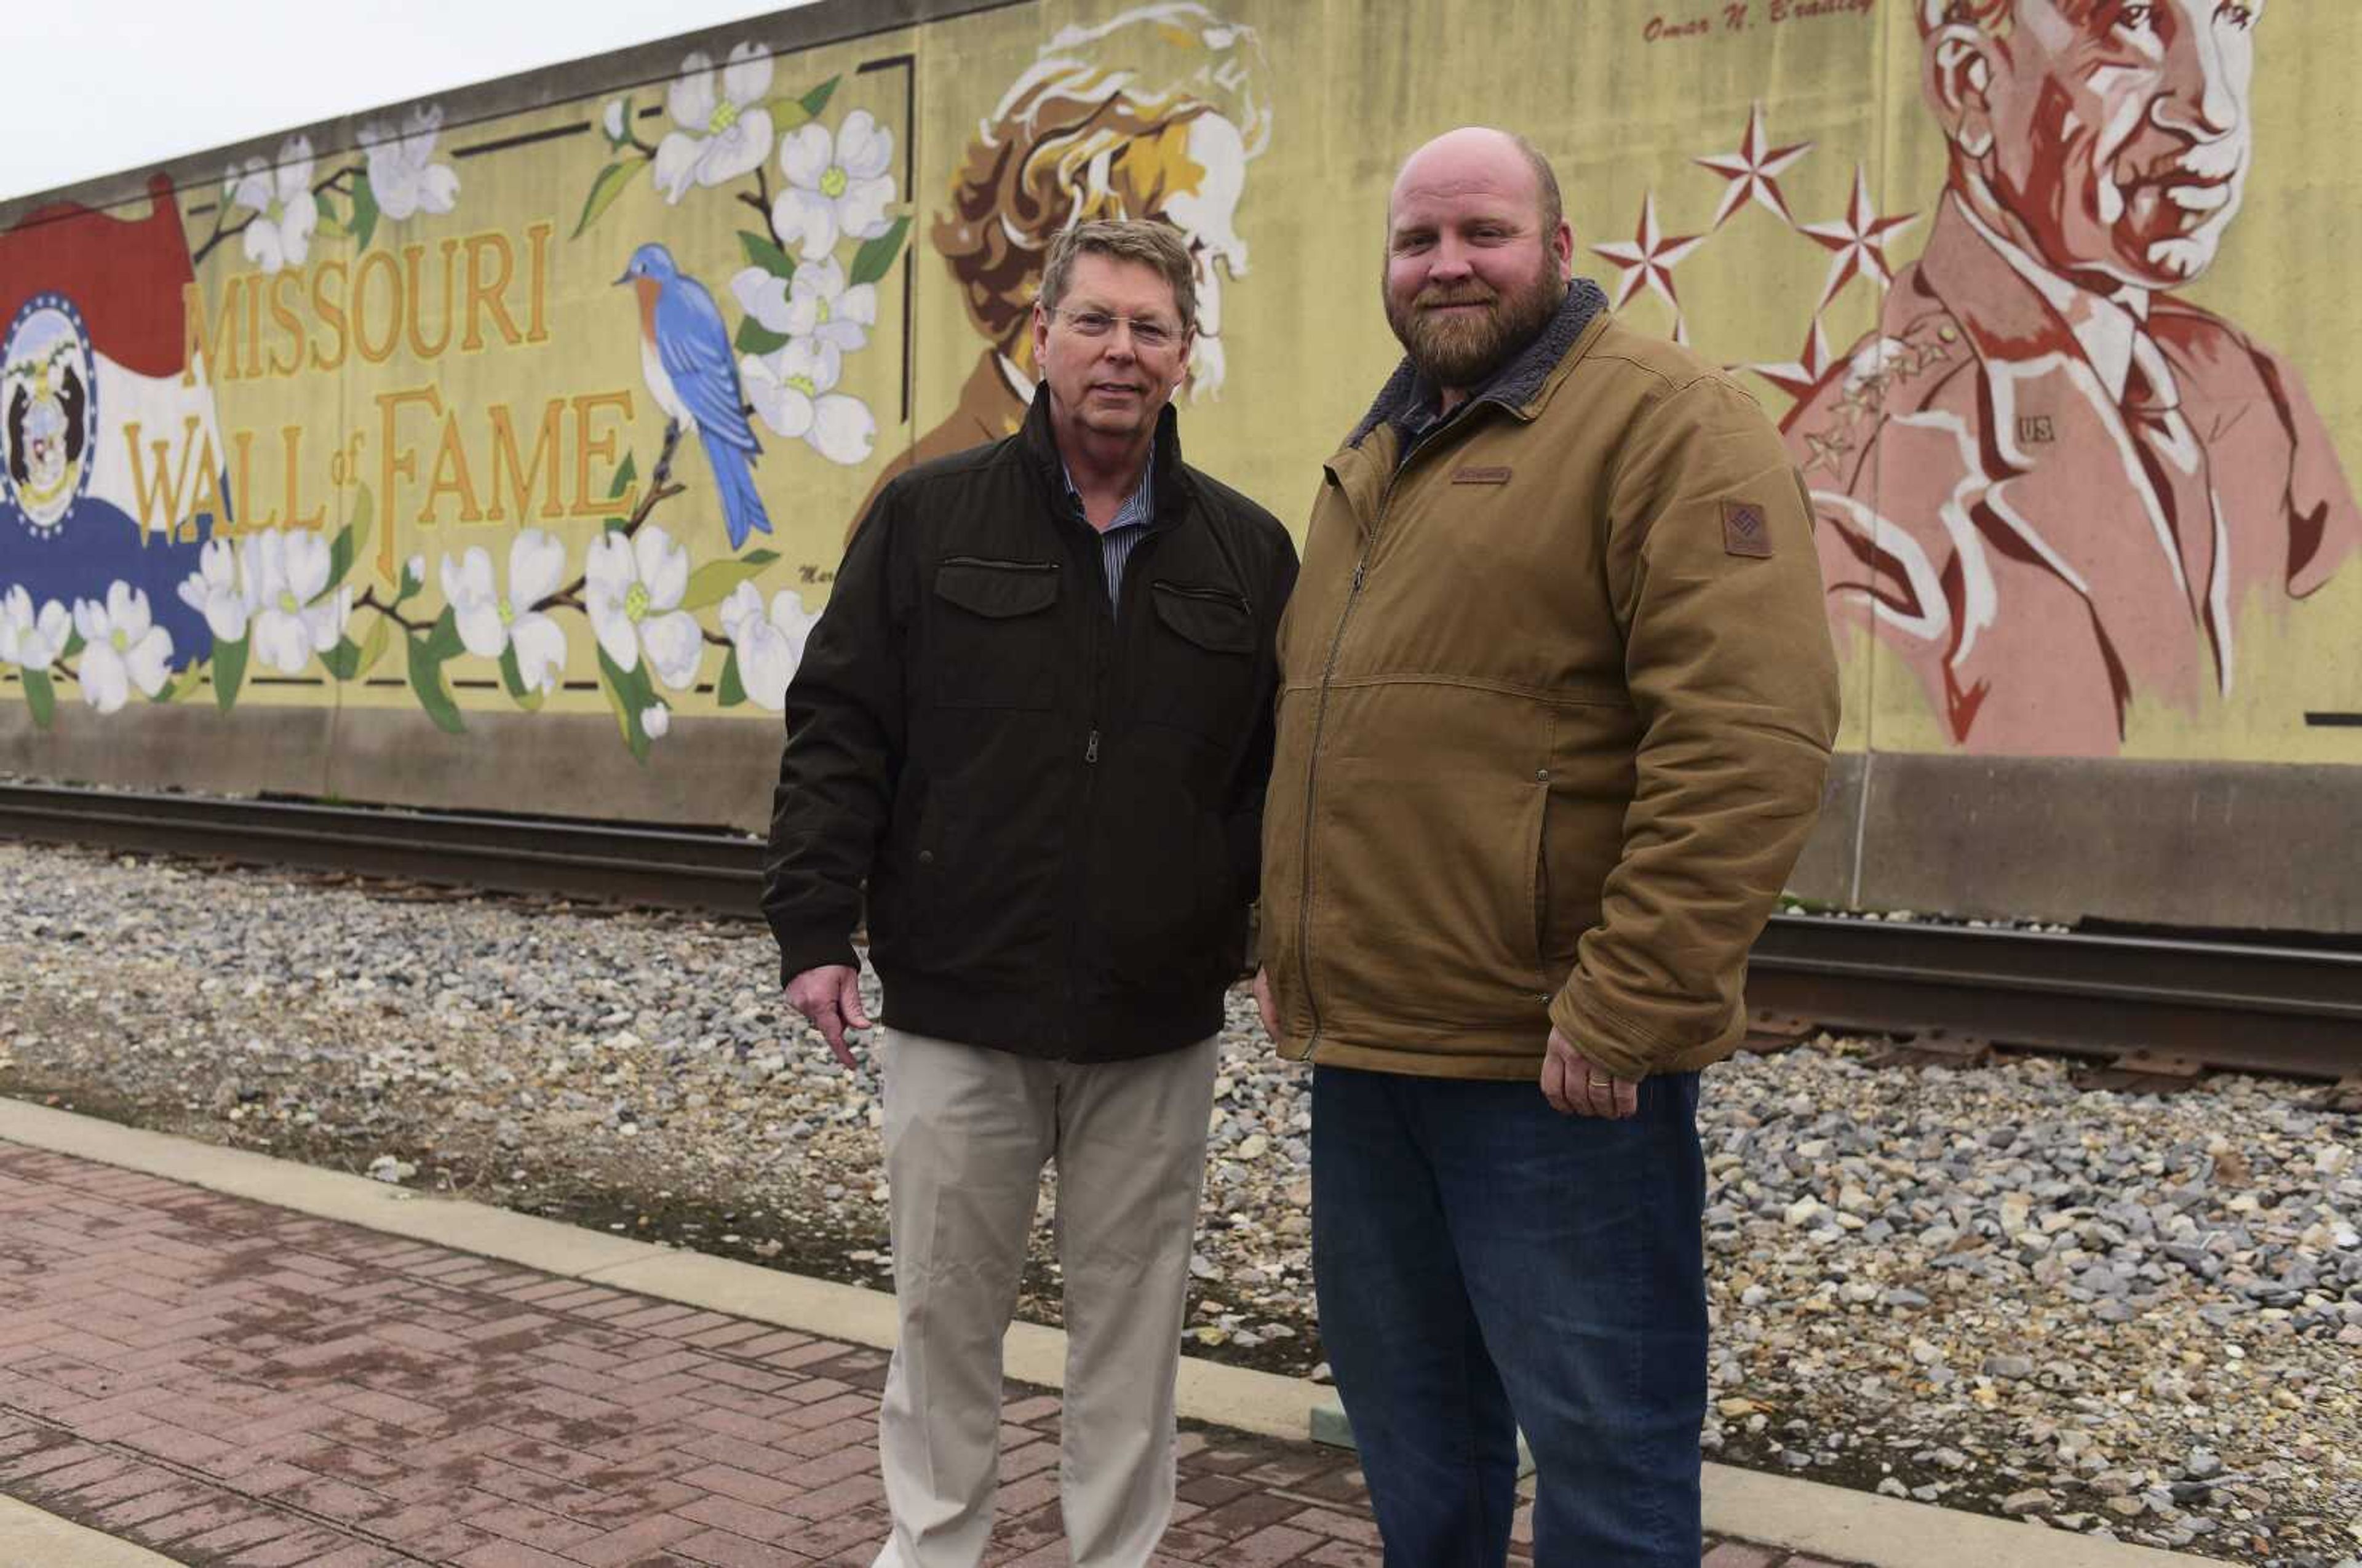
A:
<point x="997" y="637"/>
<point x="1199" y="669"/>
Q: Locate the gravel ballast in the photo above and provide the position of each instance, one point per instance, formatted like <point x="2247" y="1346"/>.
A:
<point x="2119" y="1314"/>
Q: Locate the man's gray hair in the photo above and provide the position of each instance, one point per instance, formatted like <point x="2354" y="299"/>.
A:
<point x="1154" y="244"/>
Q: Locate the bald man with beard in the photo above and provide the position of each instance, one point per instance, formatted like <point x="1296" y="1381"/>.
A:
<point x="1556" y="701"/>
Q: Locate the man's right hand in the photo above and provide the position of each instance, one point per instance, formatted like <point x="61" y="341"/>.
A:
<point x="1263" y="1004"/>
<point x="830" y="996"/>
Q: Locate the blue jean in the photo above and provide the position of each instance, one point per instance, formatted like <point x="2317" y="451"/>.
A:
<point x="1485" y="1265"/>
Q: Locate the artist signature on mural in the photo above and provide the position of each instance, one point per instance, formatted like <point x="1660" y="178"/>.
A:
<point x="1741" y="14"/>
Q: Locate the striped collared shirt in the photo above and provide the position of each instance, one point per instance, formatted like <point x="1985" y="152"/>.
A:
<point x="1132" y="521"/>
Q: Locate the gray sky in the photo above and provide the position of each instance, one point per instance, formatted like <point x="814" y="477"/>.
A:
<point x="98" y="85"/>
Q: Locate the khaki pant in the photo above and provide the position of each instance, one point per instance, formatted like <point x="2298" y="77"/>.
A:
<point x="967" y="1130"/>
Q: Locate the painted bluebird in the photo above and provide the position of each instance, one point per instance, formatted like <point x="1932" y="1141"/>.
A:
<point x="685" y="355"/>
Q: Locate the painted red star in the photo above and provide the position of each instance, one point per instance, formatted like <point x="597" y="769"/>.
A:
<point x="1800" y="375"/>
<point x="1753" y="172"/>
<point x="1859" y="239"/>
<point x="1648" y="260"/>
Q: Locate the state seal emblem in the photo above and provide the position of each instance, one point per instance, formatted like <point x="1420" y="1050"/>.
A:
<point x="49" y="412"/>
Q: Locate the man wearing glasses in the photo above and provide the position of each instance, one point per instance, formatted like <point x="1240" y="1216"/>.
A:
<point x="1034" y="721"/>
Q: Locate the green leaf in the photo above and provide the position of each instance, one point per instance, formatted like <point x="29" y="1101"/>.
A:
<point x="180" y="686"/>
<point x="427" y="680"/>
<point x="330" y="225"/>
<point x="229" y="669"/>
<point x="625" y="472"/>
<point x="75" y="645"/>
<point x="730" y="690"/>
<point x="513" y="677"/>
<point x="344" y="661"/>
<point x="609" y="183"/>
<point x="763" y="252"/>
<point x="442" y="642"/>
<point x="711" y="584"/>
<point x="753" y="337"/>
<point x="628" y="695"/>
<point x="817" y="99"/>
<point x="373" y="647"/>
<point x="411" y="583"/>
<point x="617" y="524"/>
<point x="41" y="696"/>
<point x="876" y="257"/>
<point x="365" y="212"/>
<point x="353" y="539"/>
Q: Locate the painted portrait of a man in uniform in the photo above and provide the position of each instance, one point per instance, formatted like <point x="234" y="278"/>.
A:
<point x="2046" y="482"/>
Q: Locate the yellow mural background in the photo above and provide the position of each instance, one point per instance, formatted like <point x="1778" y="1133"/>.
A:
<point x="1350" y="88"/>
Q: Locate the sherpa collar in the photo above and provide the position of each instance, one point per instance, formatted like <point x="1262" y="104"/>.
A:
<point x="1512" y="386"/>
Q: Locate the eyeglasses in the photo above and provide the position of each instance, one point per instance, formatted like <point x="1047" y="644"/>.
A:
<point x="1146" y="331"/>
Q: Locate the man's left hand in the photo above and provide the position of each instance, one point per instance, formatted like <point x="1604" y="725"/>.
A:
<point x="1576" y="1086"/>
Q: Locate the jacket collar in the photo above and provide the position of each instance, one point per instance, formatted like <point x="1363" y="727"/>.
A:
<point x="1039" y="443"/>
<point x="1512" y="386"/>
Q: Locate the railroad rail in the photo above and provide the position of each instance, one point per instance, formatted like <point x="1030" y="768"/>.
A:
<point x="2224" y="1004"/>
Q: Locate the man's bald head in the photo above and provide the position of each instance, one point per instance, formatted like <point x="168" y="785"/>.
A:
<point x="1452" y="155"/>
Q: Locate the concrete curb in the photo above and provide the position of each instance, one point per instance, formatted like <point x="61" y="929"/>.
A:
<point x="1802" y="1516"/>
<point x="1860" y="1526"/>
<point x="30" y="1537"/>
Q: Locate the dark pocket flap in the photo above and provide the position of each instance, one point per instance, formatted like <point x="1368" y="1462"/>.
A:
<point x="1213" y="618"/>
<point x="998" y="589"/>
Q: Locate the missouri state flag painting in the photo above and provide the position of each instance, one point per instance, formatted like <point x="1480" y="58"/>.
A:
<point x="96" y="381"/>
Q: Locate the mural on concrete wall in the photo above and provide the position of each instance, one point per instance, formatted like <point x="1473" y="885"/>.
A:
<point x="2047" y="482"/>
<point x="569" y="411"/>
<point x="146" y="550"/>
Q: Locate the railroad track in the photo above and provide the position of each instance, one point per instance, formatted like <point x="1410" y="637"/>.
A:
<point x="2213" y="1003"/>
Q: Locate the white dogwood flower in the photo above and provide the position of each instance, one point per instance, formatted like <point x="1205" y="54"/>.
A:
<point x="632" y="589"/>
<point x="770" y="643"/>
<point x="490" y="624"/>
<point x="401" y="173"/>
<point x="285" y="212"/>
<point x="34" y="639"/>
<point x="295" y="617"/>
<point x="656" y="722"/>
<point x="816" y="303"/>
<point x="790" y="391"/>
<point x="123" y="647"/>
<point x="836" y="185"/>
<point x="214" y="591"/>
<point x="721" y="135"/>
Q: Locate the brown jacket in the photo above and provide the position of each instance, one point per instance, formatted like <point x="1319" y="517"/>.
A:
<point x="1556" y="702"/>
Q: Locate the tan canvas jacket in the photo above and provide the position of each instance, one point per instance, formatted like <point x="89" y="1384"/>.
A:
<point x="1556" y="702"/>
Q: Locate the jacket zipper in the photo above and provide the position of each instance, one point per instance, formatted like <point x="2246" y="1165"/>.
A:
<point x="1211" y="595"/>
<point x="1312" y="759"/>
<point x="999" y="566"/>
<point x="1106" y="647"/>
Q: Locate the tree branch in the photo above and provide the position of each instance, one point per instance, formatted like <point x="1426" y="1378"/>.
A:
<point x="370" y="600"/>
<point x="218" y="235"/>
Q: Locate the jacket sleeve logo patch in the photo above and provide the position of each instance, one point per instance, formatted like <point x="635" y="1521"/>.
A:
<point x="1481" y="476"/>
<point x="1744" y="532"/>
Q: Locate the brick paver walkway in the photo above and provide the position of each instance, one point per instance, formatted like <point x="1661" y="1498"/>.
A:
<point x="227" y="1383"/>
